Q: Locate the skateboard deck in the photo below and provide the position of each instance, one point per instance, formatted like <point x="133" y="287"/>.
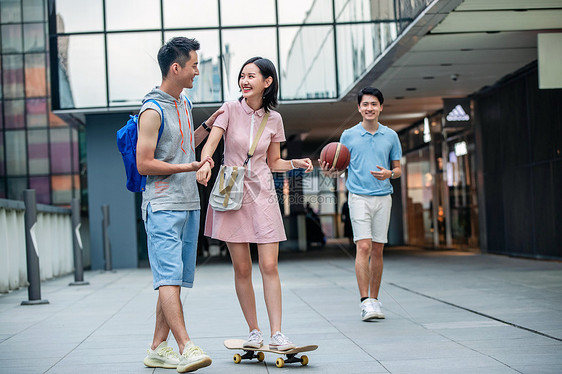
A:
<point x="250" y="353"/>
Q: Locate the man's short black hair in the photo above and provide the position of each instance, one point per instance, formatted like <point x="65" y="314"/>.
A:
<point x="178" y="50"/>
<point x="370" y="91"/>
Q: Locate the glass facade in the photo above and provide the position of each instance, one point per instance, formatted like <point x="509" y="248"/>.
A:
<point x="38" y="149"/>
<point x="320" y="47"/>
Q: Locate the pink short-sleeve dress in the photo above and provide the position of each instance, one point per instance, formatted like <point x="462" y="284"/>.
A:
<point x="259" y="220"/>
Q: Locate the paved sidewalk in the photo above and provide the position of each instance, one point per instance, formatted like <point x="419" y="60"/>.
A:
<point x="446" y="312"/>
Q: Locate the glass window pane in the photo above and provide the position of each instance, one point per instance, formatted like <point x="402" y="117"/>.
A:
<point x="70" y="15"/>
<point x="202" y="13"/>
<point x="82" y="71"/>
<point x="133" y="15"/>
<point x="36" y="112"/>
<point x="131" y="79"/>
<point x="14" y="112"/>
<point x="35" y="75"/>
<point x="60" y="150"/>
<point x="38" y="152"/>
<point x="250" y="12"/>
<point x="304" y="11"/>
<point x="55" y="121"/>
<point x="42" y="187"/>
<point x="365" y="10"/>
<point x="34" y="37"/>
<point x="2" y="166"/>
<point x="238" y="46"/>
<point x="15" y="153"/>
<point x="62" y="189"/>
<point x="12" y="76"/>
<point x="308" y="64"/>
<point x="207" y="85"/>
<point x="10" y="11"/>
<point x="16" y="187"/>
<point x="12" y="41"/>
<point x="75" y="150"/>
<point x="33" y="11"/>
<point x="1" y="117"/>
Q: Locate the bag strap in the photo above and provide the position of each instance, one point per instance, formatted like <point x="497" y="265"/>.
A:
<point x="257" y="138"/>
<point x="226" y="189"/>
<point x="162" y="117"/>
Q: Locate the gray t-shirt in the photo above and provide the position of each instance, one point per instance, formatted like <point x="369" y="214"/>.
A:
<point x="176" y="146"/>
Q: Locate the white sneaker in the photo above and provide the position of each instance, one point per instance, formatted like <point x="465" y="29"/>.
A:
<point x="162" y="357"/>
<point x="255" y="340"/>
<point x="280" y="342"/>
<point x="371" y="309"/>
<point x="193" y="358"/>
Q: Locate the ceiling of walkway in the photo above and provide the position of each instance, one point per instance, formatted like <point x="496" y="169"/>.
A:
<point x="453" y="50"/>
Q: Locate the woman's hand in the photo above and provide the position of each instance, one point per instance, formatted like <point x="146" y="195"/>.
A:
<point x="204" y="172"/>
<point x="303" y="163"/>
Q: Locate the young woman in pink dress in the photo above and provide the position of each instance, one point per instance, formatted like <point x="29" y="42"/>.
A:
<point x="259" y="220"/>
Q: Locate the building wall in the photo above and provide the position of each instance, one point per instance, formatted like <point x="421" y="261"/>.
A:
<point x="106" y="185"/>
<point x="521" y="146"/>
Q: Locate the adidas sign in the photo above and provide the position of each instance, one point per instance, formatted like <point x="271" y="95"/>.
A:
<point x="458" y="115"/>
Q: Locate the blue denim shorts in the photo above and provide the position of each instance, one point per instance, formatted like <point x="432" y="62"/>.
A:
<point x="172" y="246"/>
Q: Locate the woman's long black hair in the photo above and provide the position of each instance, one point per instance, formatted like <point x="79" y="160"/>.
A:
<point x="267" y="69"/>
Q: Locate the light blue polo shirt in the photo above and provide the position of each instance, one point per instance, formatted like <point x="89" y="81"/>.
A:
<point x="367" y="151"/>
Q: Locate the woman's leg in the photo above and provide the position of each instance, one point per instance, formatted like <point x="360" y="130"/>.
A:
<point x="268" y="255"/>
<point x="242" y="262"/>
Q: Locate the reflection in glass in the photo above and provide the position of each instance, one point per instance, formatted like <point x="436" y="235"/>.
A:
<point x="16" y="187"/>
<point x="70" y="15"/>
<point x="359" y="46"/>
<point x="14" y="112"/>
<point x="38" y="152"/>
<point x="365" y="10"/>
<point x="82" y="71"/>
<point x="15" y="153"/>
<point x="60" y="150"/>
<point x="304" y="11"/>
<point x="12" y="78"/>
<point x="308" y="62"/>
<point x="62" y="188"/>
<point x="12" y="39"/>
<point x="238" y="46"/>
<point x="35" y="75"/>
<point x="207" y="85"/>
<point x="36" y="112"/>
<point x="2" y="168"/>
<point x="131" y="78"/>
<point x="132" y="15"/>
<point x="34" y="37"/>
<point x="179" y="14"/>
<point x="249" y="12"/>
<point x="33" y="11"/>
<point x="10" y="11"/>
<point x="42" y="187"/>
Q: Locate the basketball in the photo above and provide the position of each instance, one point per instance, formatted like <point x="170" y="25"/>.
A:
<point x="336" y="155"/>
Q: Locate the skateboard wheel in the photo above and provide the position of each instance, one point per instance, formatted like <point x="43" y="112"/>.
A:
<point x="304" y="359"/>
<point x="280" y="362"/>
<point x="237" y="358"/>
<point x="260" y="356"/>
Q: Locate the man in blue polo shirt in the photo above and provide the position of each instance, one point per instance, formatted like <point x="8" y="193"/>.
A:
<point x="375" y="159"/>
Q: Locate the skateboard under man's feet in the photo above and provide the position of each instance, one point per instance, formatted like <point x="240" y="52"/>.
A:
<point x="250" y="353"/>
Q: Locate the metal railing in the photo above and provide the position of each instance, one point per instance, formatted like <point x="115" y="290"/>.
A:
<point x="53" y="237"/>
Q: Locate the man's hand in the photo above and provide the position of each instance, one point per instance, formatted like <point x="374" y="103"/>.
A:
<point x="211" y="120"/>
<point x="204" y="173"/>
<point x="382" y="173"/>
<point x="197" y="165"/>
<point x="327" y="171"/>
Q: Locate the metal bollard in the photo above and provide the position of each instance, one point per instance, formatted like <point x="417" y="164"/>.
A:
<point x="77" y="244"/>
<point x="106" y="242"/>
<point x="32" y="256"/>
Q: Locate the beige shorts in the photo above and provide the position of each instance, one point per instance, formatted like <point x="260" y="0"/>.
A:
<point x="370" y="216"/>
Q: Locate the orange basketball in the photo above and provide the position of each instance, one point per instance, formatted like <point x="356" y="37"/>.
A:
<point x="337" y="155"/>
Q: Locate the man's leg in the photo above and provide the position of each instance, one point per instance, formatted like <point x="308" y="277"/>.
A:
<point x="375" y="267"/>
<point x="162" y="329"/>
<point x="172" y="310"/>
<point x="362" y="269"/>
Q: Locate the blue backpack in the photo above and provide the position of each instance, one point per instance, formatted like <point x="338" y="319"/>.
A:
<point x="127" y="137"/>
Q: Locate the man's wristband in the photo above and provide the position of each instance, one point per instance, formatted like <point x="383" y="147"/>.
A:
<point x="391" y="174"/>
<point x="206" y="127"/>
